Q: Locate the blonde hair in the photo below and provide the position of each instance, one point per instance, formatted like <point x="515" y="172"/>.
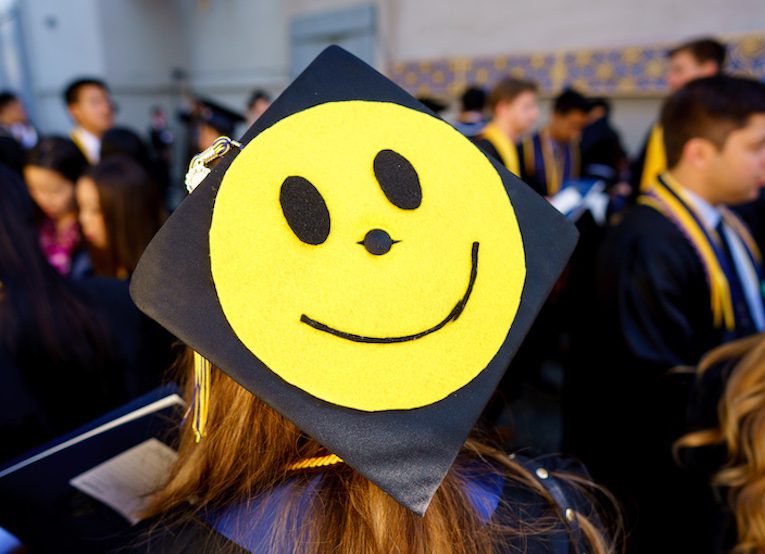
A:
<point x="248" y="451"/>
<point x="741" y="429"/>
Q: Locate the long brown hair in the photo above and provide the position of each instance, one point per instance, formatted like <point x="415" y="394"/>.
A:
<point x="741" y="428"/>
<point x="132" y="213"/>
<point x="249" y="447"/>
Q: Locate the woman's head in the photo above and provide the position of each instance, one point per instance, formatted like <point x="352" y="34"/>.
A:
<point x="250" y="450"/>
<point x="40" y="319"/>
<point x="51" y="171"/>
<point x="741" y="414"/>
<point x="119" y="214"/>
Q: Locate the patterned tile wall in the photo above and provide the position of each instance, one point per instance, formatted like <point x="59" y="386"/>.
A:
<point x="615" y="72"/>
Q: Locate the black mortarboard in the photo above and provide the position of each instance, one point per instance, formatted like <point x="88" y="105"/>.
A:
<point x="362" y="268"/>
<point x="220" y="118"/>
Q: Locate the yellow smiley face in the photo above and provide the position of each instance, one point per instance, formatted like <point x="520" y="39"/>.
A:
<point x="368" y="254"/>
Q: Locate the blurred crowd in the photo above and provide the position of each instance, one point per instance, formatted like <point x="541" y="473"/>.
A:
<point x="668" y="268"/>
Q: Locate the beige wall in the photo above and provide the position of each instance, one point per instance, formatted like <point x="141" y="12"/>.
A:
<point x="434" y="28"/>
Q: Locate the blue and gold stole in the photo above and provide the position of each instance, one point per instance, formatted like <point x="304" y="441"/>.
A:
<point x="540" y="164"/>
<point x="667" y="196"/>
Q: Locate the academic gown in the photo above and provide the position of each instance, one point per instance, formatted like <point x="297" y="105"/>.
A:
<point x="535" y="162"/>
<point x="623" y="408"/>
<point x="44" y="398"/>
<point x="602" y="152"/>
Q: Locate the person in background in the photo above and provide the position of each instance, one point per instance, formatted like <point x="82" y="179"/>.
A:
<point x="603" y="156"/>
<point x="11" y="150"/>
<point x="69" y="350"/>
<point x="256" y="105"/>
<point x="120" y="212"/>
<point x="514" y="110"/>
<point x="551" y="156"/>
<point x="90" y="106"/>
<point x="471" y="119"/>
<point x="697" y="58"/>
<point x="51" y="171"/>
<point x="14" y="119"/>
<point x="161" y="140"/>
<point x="121" y="141"/>
<point x="724" y="445"/>
<point x="214" y="121"/>
<point x="677" y="277"/>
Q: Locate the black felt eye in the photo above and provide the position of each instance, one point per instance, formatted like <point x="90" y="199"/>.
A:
<point x="305" y="210"/>
<point x="398" y="179"/>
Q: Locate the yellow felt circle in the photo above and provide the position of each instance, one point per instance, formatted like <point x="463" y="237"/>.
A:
<point x="268" y="281"/>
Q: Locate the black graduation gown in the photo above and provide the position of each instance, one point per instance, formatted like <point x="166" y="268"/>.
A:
<point x="623" y="408"/>
<point x="41" y="403"/>
<point x="601" y="148"/>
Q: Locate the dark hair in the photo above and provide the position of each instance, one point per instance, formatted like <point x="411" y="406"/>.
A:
<point x="54" y="338"/>
<point x="709" y="108"/>
<point x="72" y="91"/>
<point x="7" y="98"/>
<point x="60" y="155"/>
<point x="121" y="141"/>
<point x="570" y="100"/>
<point x="473" y="99"/>
<point x="601" y="102"/>
<point x="257" y="94"/>
<point x="705" y="49"/>
<point x="508" y="89"/>
<point x="132" y="213"/>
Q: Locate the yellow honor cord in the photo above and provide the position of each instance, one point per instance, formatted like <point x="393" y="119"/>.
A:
<point x="319" y="461"/>
<point x="720" y="296"/>
<point x="655" y="158"/>
<point x="504" y="146"/>
<point x="552" y="170"/>
<point x="202" y="376"/>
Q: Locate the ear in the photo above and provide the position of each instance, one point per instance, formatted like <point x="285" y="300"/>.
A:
<point x="500" y="108"/>
<point x="709" y="68"/>
<point x="699" y="152"/>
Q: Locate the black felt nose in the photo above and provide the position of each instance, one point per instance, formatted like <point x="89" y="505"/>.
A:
<point x="377" y="242"/>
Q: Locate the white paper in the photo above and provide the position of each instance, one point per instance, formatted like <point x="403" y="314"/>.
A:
<point x="566" y="200"/>
<point x="125" y="481"/>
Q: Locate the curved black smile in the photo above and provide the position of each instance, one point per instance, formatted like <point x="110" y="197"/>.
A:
<point x="453" y="315"/>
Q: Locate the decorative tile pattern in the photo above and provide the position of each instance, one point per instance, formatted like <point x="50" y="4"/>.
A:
<point x="630" y="71"/>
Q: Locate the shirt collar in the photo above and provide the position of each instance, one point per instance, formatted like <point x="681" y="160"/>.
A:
<point x="89" y="142"/>
<point x="708" y="213"/>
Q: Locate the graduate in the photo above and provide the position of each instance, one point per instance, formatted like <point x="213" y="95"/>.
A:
<point x="551" y="156"/>
<point x="90" y="106"/>
<point x="514" y="106"/>
<point x="215" y="120"/>
<point x="603" y="155"/>
<point x="702" y="57"/>
<point x="677" y="277"/>
<point x="352" y="305"/>
<point x="471" y="119"/>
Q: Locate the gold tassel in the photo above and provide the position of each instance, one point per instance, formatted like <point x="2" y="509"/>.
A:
<point x="202" y="376"/>
<point x="320" y="461"/>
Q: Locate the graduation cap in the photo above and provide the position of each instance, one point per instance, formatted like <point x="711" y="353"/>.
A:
<point x="219" y="117"/>
<point x="362" y="268"/>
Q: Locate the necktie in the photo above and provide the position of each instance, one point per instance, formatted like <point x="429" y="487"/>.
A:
<point x="744" y="324"/>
